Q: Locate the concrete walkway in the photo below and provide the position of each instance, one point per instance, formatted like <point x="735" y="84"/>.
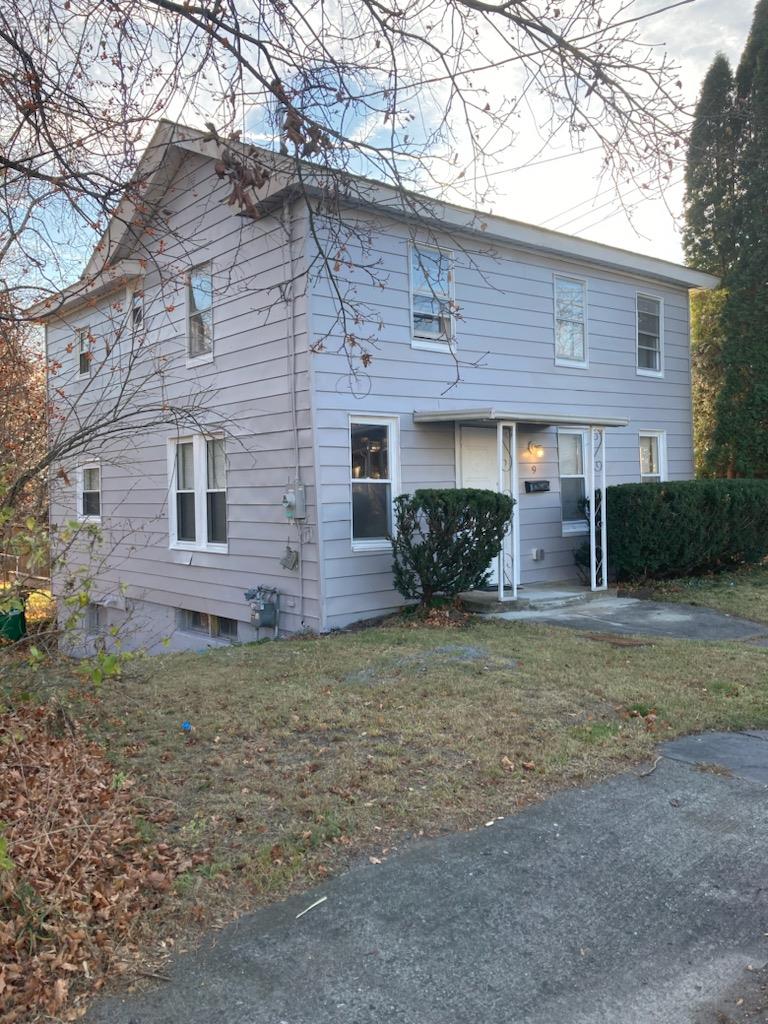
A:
<point x="631" y="616"/>
<point x="638" y="901"/>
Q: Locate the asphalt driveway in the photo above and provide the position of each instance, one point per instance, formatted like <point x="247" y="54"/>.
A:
<point x="638" y="901"/>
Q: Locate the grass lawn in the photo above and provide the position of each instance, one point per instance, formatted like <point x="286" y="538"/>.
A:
<point x="307" y="753"/>
<point x="742" y="592"/>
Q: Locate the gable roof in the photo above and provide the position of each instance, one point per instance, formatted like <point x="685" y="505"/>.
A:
<point x="110" y="262"/>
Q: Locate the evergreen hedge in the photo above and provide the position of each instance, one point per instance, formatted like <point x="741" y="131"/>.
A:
<point x="682" y="527"/>
<point x="446" y="539"/>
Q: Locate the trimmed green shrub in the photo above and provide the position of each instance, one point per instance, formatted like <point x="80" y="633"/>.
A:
<point x="684" y="527"/>
<point x="446" y="539"/>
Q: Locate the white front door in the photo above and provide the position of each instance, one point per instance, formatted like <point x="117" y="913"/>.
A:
<point x="480" y="467"/>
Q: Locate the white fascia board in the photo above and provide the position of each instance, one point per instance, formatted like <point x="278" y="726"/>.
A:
<point x="85" y="291"/>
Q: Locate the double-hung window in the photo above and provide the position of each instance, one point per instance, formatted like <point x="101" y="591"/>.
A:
<point x="186" y="512"/>
<point x="199" y="498"/>
<point x="84" y="353"/>
<point x="89" y="494"/>
<point x="431" y="297"/>
<point x="200" y="313"/>
<point x="137" y="309"/>
<point x="215" y="491"/>
<point x="650" y="339"/>
<point x="373" y="462"/>
<point x="570" y="321"/>
<point x="653" y="456"/>
<point x="573" y="481"/>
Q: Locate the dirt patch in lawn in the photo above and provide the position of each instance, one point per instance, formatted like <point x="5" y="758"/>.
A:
<point x="305" y="754"/>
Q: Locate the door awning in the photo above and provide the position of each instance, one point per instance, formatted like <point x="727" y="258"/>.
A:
<point x="542" y="418"/>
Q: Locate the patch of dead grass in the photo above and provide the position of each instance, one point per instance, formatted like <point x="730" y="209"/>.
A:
<point x="309" y="752"/>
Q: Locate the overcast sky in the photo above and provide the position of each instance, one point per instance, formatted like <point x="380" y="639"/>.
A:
<point x="565" y="193"/>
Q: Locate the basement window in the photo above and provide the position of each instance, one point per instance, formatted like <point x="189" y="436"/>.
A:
<point x="217" y="626"/>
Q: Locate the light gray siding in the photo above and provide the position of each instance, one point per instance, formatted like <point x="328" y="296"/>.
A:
<point x="245" y="392"/>
<point x="505" y="351"/>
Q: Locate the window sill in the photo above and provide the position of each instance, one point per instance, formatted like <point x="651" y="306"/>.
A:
<point x="572" y="364"/>
<point x="650" y="373"/>
<point x="428" y="345"/>
<point x="372" y="546"/>
<point x="570" y="529"/>
<point x="214" y="641"/>
<point x="202" y="360"/>
<point x="213" y="549"/>
<point x="92" y="520"/>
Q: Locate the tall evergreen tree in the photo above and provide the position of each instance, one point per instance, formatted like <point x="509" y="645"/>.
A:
<point x="708" y="236"/>
<point x="740" y="438"/>
<point x="709" y="240"/>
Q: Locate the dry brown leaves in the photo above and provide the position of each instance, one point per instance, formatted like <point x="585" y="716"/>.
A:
<point x="80" y="873"/>
<point x="446" y="617"/>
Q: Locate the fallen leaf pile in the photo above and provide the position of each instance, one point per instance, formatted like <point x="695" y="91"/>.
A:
<point x="74" y="873"/>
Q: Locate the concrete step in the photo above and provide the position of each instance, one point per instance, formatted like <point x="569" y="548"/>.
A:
<point x="541" y="598"/>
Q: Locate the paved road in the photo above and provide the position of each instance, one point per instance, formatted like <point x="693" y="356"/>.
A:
<point x="637" y="901"/>
<point x="629" y="615"/>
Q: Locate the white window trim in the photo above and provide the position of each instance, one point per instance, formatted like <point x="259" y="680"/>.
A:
<point x="642" y="371"/>
<point x="572" y="526"/>
<point x="205" y="357"/>
<point x="79" y="483"/>
<point x="661" y="436"/>
<point x="576" y="364"/>
<point x="417" y="341"/>
<point x="200" y="467"/>
<point x="78" y="335"/>
<point x="393" y="422"/>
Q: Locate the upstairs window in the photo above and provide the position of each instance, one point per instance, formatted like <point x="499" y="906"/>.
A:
<point x="200" y="312"/>
<point x="653" y="456"/>
<point x="84" y="353"/>
<point x="199" y="506"/>
<point x="570" y="321"/>
<point x="89" y="494"/>
<point x="431" y="295"/>
<point x="372" y="454"/>
<point x="573" y="481"/>
<point x="137" y="310"/>
<point x="649" y="336"/>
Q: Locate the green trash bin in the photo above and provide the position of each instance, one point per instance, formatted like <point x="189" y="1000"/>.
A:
<point x="13" y="625"/>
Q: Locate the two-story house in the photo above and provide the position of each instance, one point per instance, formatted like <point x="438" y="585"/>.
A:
<point x="502" y="355"/>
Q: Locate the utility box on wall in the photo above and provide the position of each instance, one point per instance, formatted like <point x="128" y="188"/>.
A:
<point x="294" y="501"/>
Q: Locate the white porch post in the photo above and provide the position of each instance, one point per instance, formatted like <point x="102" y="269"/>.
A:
<point x="515" y="518"/>
<point x="513" y="536"/>
<point x="598" y="550"/>
<point x="500" y="489"/>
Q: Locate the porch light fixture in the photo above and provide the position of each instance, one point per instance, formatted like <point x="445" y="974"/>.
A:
<point x="536" y="449"/>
